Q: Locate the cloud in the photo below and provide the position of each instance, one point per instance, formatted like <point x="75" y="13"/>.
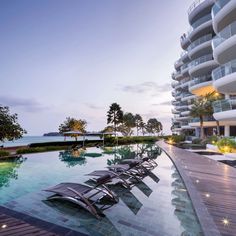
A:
<point x="147" y="87"/>
<point x="27" y="104"/>
<point x="166" y="103"/>
<point x="93" y="106"/>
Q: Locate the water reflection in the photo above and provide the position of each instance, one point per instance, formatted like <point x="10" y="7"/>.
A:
<point x="8" y="170"/>
<point x="131" y="152"/>
<point x="72" y="158"/>
<point x="183" y="207"/>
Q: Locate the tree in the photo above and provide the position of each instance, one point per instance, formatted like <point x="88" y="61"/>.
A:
<point x="143" y="127"/>
<point x="10" y="129"/>
<point x="154" y="126"/>
<point x="138" y="122"/>
<point x="211" y="98"/>
<point x="72" y="124"/>
<point x="128" y="124"/>
<point x="200" y="109"/>
<point x="115" y="115"/>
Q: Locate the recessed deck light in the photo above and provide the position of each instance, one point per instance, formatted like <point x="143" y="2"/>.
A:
<point x="207" y="195"/>
<point x="3" y="226"/>
<point x="197" y="181"/>
<point x="225" y="221"/>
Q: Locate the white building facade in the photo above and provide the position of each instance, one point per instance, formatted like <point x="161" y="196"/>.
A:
<point x="207" y="64"/>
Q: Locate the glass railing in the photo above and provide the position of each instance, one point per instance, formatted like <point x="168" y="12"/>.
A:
<point x="183" y="67"/>
<point x="201" y="21"/>
<point x="219" y="4"/>
<point x="201" y="60"/>
<point x="224" y="34"/>
<point x="222" y="71"/>
<point x="207" y="118"/>
<point x="200" y="80"/>
<point x="194" y="5"/>
<point x="199" y="41"/>
<point x="224" y="105"/>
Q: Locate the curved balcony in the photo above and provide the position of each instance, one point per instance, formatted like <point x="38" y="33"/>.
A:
<point x="205" y="28"/>
<point x="223" y="13"/>
<point x="175" y="112"/>
<point x="174" y="84"/>
<point x="202" y="65"/>
<point x="178" y="75"/>
<point x="225" y="109"/>
<point x="185" y="113"/>
<point x="207" y="122"/>
<point x="184" y="41"/>
<point x="184" y="57"/>
<point x="184" y="69"/>
<point x="224" y="44"/>
<point x="198" y="9"/>
<point x="187" y="97"/>
<point x="224" y="78"/>
<point x="200" y="46"/>
<point x="201" y="85"/>
<point x="178" y="64"/>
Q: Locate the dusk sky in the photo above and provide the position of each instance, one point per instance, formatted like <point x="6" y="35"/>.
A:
<point x="61" y="58"/>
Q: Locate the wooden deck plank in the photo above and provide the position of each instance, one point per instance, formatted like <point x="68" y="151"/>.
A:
<point x="204" y="176"/>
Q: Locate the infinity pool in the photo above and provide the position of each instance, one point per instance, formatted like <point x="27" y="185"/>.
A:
<point x="159" y="205"/>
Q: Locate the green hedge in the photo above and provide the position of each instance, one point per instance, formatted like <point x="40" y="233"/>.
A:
<point x="39" y="149"/>
<point x="4" y="153"/>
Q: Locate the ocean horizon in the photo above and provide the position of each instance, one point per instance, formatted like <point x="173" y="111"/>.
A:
<point x="26" y="140"/>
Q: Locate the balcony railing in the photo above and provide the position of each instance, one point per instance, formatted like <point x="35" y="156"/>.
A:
<point x="200" y="80"/>
<point x="224" y="105"/>
<point x="219" y="4"/>
<point x="201" y="21"/>
<point x="226" y="69"/>
<point x="224" y="34"/>
<point x="207" y="118"/>
<point x="183" y="67"/>
<point x="194" y="5"/>
<point x="201" y="60"/>
<point x="199" y="41"/>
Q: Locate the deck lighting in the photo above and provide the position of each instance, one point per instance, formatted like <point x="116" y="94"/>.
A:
<point x="207" y="195"/>
<point x="170" y="141"/>
<point x="3" y="226"/>
<point x="197" y="181"/>
<point x="225" y="222"/>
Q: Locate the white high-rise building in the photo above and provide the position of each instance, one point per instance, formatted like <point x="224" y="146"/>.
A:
<point x="207" y="64"/>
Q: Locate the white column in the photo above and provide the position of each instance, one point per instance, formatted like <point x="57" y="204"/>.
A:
<point x="227" y="130"/>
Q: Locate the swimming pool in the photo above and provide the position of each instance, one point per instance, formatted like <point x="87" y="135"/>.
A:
<point x="159" y="205"/>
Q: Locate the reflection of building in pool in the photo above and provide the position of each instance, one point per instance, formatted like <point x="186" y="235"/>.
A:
<point x="8" y="170"/>
<point x="183" y="206"/>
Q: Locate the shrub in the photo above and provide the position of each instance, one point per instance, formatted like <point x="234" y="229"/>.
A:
<point x="197" y="141"/>
<point x="210" y="140"/>
<point x="177" y="138"/>
<point x="4" y="153"/>
<point x="226" y="145"/>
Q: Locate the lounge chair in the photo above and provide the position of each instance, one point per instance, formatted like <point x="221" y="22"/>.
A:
<point x="115" y="178"/>
<point x="85" y="196"/>
<point x="145" y="163"/>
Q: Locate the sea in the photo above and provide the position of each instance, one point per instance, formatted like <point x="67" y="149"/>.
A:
<point x="26" y="140"/>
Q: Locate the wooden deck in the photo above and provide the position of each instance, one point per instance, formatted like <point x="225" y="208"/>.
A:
<point x="212" y="188"/>
<point x="13" y="226"/>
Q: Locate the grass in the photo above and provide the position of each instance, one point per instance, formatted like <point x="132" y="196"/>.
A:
<point x="40" y="149"/>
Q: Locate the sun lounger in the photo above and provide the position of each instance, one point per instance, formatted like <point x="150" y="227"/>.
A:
<point x="85" y="196"/>
<point x="115" y="178"/>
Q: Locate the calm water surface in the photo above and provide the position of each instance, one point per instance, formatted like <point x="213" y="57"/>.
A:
<point x="159" y="205"/>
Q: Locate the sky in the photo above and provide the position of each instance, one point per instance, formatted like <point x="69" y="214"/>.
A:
<point x="73" y="58"/>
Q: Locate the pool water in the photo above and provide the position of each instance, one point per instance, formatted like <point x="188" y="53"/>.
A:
<point x="159" y="205"/>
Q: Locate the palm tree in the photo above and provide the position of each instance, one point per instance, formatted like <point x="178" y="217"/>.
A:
<point x="115" y="115"/>
<point x="200" y="109"/>
<point x="212" y="97"/>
